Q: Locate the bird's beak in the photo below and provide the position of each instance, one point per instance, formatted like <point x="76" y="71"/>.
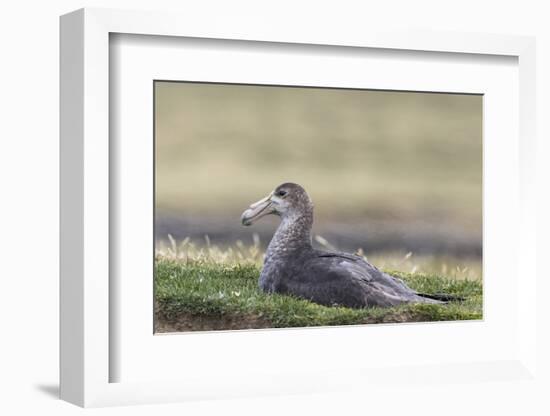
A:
<point x="258" y="210"/>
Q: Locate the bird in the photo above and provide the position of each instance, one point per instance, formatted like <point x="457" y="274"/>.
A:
<point x="292" y="266"/>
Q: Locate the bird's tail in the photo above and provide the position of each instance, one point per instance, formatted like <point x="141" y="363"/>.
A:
<point x="442" y="297"/>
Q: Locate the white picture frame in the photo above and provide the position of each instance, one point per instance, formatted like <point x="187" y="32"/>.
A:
<point x="87" y="302"/>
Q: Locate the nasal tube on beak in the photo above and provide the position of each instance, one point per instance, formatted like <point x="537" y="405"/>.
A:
<point x="257" y="210"/>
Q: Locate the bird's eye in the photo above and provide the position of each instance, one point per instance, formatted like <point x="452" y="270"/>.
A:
<point x="281" y="193"/>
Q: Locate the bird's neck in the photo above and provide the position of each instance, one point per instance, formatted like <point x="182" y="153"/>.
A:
<point x="293" y="234"/>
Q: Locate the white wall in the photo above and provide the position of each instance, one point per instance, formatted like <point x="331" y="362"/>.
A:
<point x="29" y="179"/>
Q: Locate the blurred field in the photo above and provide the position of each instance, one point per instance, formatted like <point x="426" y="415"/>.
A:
<point x="360" y="154"/>
<point x="396" y="174"/>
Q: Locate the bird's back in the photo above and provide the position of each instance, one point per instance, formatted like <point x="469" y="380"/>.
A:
<point x="331" y="278"/>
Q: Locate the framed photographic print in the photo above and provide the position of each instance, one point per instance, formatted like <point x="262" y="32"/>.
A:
<point x="393" y="175"/>
<point x="265" y="212"/>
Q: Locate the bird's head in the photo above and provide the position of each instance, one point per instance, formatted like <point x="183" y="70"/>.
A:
<point x="288" y="200"/>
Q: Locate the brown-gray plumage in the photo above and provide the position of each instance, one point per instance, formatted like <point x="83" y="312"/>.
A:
<point x="293" y="266"/>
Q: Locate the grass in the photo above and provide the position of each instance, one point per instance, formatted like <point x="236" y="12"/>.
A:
<point x="452" y="267"/>
<point x="205" y="292"/>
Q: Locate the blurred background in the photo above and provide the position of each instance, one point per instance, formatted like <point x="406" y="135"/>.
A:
<point x="395" y="175"/>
